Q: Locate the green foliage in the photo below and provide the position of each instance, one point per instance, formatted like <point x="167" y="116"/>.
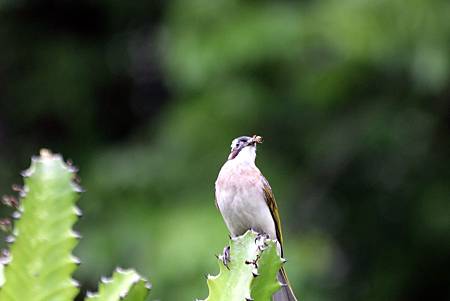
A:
<point x="250" y="273"/>
<point x="125" y="285"/>
<point x="41" y="263"/>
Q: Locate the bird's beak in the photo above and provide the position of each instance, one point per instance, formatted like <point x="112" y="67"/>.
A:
<point x="235" y="151"/>
<point x="233" y="154"/>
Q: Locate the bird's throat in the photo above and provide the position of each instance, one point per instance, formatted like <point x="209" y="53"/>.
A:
<point x="245" y="155"/>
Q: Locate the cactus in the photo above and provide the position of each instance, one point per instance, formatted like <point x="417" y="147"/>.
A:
<point x="250" y="273"/>
<point x="43" y="239"/>
<point x="40" y="263"/>
<point x="124" y="285"/>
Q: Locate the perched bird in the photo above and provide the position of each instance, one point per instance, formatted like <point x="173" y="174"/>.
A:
<point x="246" y="201"/>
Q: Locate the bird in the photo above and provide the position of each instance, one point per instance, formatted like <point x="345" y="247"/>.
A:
<point x="246" y="201"/>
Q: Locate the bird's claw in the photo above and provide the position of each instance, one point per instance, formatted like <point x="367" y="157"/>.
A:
<point x="261" y="240"/>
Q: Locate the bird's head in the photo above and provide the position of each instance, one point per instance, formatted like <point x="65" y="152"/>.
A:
<point x="246" y="146"/>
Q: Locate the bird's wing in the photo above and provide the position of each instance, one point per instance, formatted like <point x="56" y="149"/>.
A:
<point x="270" y="200"/>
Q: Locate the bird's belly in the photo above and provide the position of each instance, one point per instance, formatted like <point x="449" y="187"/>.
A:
<point x="245" y="209"/>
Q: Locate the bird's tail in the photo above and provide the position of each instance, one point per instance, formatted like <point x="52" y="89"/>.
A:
<point x="285" y="293"/>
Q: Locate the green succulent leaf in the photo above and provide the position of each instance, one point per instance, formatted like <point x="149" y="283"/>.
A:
<point x="41" y="262"/>
<point x="266" y="284"/>
<point x="251" y="272"/>
<point x="126" y="285"/>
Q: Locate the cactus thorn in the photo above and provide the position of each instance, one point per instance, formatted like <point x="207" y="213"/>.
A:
<point x="76" y="234"/>
<point x="226" y="257"/>
<point x="75" y="283"/>
<point x="16" y="215"/>
<point x="72" y="168"/>
<point x="16" y="187"/>
<point x="26" y="173"/>
<point x="5" y="257"/>
<point x="78" y="211"/>
<point x="105" y="279"/>
<point x="10" y="201"/>
<point x="135" y="281"/>
<point x="10" y="239"/>
<point x="77" y="188"/>
<point x="120" y="270"/>
<point x="76" y="260"/>
<point x="5" y="224"/>
<point x="45" y="153"/>
<point x="76" y="178"/>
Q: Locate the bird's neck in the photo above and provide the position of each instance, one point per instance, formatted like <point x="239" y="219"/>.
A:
<point x="246" y="155"/>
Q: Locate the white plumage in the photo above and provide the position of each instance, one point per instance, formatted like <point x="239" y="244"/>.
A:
<point x="240" y="196"/>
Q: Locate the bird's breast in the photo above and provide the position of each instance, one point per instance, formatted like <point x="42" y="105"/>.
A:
<point x="240" y="198"/>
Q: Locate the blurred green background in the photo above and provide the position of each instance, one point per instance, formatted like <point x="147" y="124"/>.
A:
<point x="352" y="98"/>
